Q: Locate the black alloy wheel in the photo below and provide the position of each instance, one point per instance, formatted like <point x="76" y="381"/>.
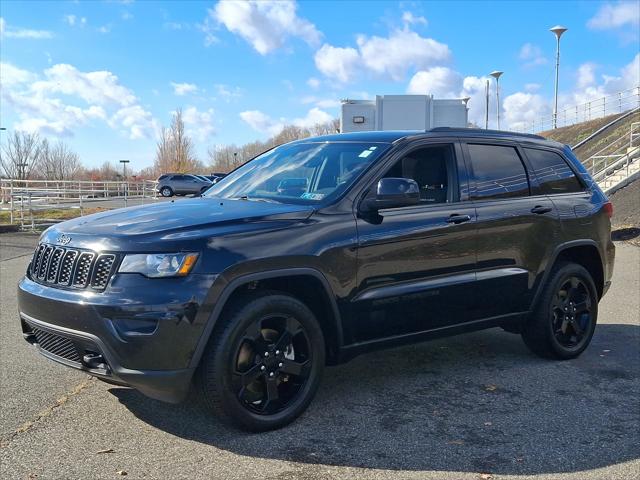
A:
<point x="571" y="313"/>
<point x="272" y="364"/>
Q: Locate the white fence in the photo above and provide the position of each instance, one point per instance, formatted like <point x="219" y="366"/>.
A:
<point x="597" y="108"/>
<point x="28" y="201"/>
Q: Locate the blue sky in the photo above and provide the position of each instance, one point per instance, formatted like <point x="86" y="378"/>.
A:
<point x="104" y="76"/>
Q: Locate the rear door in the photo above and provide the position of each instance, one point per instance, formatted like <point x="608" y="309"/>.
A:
<point x="416" y="265"/>
<point x="517" y="228"/>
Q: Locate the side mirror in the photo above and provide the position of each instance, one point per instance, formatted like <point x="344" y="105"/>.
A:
<point x="394" y="193"/>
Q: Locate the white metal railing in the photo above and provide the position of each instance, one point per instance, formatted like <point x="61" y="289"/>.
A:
<point x="615" y="160"/>
<point x="28" y="201"/>
<point x="596" y="108"/>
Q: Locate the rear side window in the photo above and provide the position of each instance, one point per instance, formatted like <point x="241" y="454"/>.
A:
<point x="177" y="177"/>
<point x="552" y="172"/>
<point x="498" y="172"/>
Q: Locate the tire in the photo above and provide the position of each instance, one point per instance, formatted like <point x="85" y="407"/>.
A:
<point x="235" y="375"/>
<point x="564" y="320"/>
<point x="166" y="192"/>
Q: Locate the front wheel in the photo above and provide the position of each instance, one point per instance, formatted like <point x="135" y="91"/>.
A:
<point x="564" y="320"/>
<point x="166" y="191"/>
<point x="263" y="364"/>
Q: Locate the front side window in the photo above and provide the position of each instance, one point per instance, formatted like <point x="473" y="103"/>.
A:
<point x="432" y="168"/>
<point x="302" y="173"/>
<point x="552" y="172"/>
<point x="498" y="172"/>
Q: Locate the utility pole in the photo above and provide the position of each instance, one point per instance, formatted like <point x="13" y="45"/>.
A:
<point x="558" y="30"/>
<point x="486" y="106"/>
<point x="124" y="169"/>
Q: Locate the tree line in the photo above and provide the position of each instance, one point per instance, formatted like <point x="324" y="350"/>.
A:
<point x="28" y="156"/>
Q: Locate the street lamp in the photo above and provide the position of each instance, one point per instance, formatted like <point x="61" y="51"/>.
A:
<point x="558" y="30"/>
<point x="496" y="74"/>
<point x="124" y="169"/>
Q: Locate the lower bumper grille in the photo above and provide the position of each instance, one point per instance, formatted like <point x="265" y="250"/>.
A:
<point x="57" y="345"/>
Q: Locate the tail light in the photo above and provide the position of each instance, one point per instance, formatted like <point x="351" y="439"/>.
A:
<point x="608" y="208"/>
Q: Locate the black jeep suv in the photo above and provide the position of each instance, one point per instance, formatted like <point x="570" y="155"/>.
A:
<point x="387" y="238"/>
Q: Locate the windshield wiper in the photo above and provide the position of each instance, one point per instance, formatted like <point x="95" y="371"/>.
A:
<point x="246" y="197"/>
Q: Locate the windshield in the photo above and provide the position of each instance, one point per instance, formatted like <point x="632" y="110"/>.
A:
<point x="299" y="173"/>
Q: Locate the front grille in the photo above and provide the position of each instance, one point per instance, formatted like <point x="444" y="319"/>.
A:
<point x="57" y="345"/>
<point x="70" y="267"/>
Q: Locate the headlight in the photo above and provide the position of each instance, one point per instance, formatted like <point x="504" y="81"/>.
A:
<point x="157" y="265"/>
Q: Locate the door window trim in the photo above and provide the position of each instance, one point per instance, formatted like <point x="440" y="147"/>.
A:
<point x="456" y="177"/>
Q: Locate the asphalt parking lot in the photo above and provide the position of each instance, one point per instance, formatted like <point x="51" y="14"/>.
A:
<point x="476" y="406"/>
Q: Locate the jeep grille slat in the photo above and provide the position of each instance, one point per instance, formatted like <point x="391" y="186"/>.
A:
<point x="70" y="267"/>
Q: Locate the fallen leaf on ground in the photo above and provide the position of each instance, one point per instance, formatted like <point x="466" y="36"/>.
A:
<point x="487" y="424"/>
<point x="121" y="473"/>
<point x="490" y="388"/>
<point x="106" y="450"/>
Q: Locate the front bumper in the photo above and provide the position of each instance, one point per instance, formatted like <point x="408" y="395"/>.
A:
<point x="138" y="332"/>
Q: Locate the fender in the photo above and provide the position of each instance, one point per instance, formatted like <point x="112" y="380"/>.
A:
<point x="252" y="277"/>
<point x="552" y="260"/>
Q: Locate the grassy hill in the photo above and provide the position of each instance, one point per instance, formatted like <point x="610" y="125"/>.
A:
<point x="575" y="133"/>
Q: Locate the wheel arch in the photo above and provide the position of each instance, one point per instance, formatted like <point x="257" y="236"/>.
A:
<point x="303" y="283"/>
<point x="582" y="252"/>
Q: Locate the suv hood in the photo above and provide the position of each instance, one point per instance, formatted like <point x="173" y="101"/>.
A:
<point x="166" y="218"/>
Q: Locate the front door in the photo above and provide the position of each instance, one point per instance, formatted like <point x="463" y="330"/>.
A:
<point x="415" y="264"/>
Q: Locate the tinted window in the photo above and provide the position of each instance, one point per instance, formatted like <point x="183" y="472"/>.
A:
<point x="552" y="172"/>
<point x="177" y="177"/>
<point x="498" y="172"/>
<point x="432" y="168"/>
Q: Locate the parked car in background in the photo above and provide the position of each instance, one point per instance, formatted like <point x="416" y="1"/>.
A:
<point x="216" y="177"/>
<point x="182" y="184"/>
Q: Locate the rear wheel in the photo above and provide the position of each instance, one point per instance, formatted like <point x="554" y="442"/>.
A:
<point x="166" y="191"/>
<point x="263" y="364"/>
<point x="564" y="320"/>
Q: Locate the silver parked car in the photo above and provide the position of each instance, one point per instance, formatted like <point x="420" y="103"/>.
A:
<point x="181" y="184"/>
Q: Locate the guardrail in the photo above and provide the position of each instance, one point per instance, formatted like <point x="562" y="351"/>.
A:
<point x="28" y="201"/>
<point x="596" y="108"/>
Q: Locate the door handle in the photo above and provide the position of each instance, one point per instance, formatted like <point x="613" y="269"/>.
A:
<point x="539" y="209"/>
<point x="457" y="218"/>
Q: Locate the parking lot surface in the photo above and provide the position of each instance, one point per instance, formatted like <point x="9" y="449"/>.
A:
<point x="475" y="406"/>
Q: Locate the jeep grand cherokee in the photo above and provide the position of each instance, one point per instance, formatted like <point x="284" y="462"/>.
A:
<point x="319" y="250"/>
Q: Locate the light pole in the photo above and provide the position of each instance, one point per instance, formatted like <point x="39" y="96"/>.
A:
<point x="486" y="105"/>
<point x="124" y="169"/>
<point x="496" y="74"/>
<point x="558" y="30"/>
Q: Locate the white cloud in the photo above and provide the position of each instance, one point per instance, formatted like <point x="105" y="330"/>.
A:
<point x="521" y="109"/>
<point x="313" y="117"/>
<point x="390" y="57"/>
<point x="63" y="99"/>
<point x="73" y="20"/>
<point x="227" y="93"/>
<point x="263" y="123"/>
<point x="586" y="75"/>
<point x="69" y="20"/>
<point x="104" y="29"/>
<point x="616" y="15"/>
<point x="338" y="63"/>
<point x="532" y="56"/>
<point x="199" y="124"/>
<point x="24" y="33"/>
<point x="320" y="102"/>
<point x="265" y="24"/>
<point x="409" y="18"/>
<point x="182" y="89"/>
<point x="126" y="16"/>
<point x="438" y="81"/>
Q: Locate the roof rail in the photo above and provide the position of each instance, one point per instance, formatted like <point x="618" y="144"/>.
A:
<point x="482" y="130"/>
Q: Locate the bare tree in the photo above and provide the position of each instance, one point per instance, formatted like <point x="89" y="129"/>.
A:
<point x="175" y="149"/>
<point x="20" y="155"/>
<point x="58" y="161"/>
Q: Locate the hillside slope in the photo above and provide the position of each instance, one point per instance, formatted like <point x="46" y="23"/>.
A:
<point x="573" y="134"/>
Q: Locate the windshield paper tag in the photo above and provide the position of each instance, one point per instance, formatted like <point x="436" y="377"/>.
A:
<point x="365" y="154"/>
<point x="312" y="196"/>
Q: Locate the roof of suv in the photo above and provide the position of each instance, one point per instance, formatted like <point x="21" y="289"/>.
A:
<point x="390" y="136"/>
